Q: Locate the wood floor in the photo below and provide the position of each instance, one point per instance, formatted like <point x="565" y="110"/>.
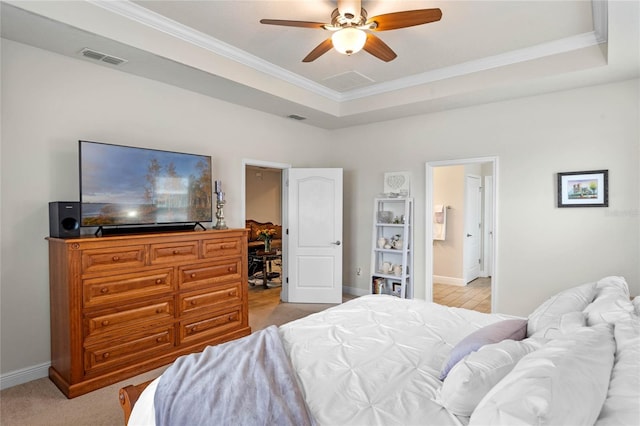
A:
<point x="475" y="296"/>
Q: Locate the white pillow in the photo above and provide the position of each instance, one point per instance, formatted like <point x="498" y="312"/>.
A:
<point x="514" y="329"/>
<point x="563" y="383"/>
<point x="470" y="379"/>
<point x="548" y="314"/>
<point x="568" y="323"/>
<point x="609" y="308"/>
<point x="636" y="305"/>
<point x="612" y="284"/>
<point x="622" y="406"/>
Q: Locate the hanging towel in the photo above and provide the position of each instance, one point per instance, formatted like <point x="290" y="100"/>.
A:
<point x="439" y="222"/>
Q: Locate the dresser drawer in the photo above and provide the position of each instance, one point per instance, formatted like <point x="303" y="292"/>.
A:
<point x="112" y="258"/>
<point x="137" y="316"/>
<point x="128" y="349"/>
<point x="174" y="252"/>
<point x="210" y="327"/>
<point x="212" y="273"/>
<point x="211" y="299"/>
<point x="124" y="288"/>
<point x="221" y="247"/>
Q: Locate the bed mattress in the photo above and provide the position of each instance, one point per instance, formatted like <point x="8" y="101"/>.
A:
<point x="373" y="360"/>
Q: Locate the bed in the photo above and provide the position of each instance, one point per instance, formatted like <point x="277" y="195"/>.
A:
<point x="382" y="360"/>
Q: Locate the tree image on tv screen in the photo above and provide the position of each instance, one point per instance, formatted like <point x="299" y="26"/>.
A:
<point x="144" y="187"/>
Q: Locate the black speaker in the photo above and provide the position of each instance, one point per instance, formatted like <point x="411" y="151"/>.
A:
<point x="64" y="219"/>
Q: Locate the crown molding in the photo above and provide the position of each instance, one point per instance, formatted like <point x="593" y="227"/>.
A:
<point x="515" y="56"/>
<point x="161" y="23"/>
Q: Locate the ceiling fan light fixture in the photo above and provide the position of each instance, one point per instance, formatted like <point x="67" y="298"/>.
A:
<point x="349" y="40"/>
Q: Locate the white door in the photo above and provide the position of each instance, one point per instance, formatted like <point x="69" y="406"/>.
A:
<point x="312" y="206"/>
<point x="487" y="229"/>
<point x="472" y="228"/>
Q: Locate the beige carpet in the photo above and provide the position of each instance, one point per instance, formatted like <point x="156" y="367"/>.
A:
<point x="40" y="403"/>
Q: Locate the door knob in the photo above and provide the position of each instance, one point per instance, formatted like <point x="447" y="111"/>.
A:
<point x="336" y="243"/>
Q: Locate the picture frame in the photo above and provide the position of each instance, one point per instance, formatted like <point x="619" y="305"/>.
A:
<point x="583" y="189"/>
<point x="396" y="289"/>
<point x="398" y="183"/>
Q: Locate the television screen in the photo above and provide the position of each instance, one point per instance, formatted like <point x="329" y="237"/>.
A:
<point x="123" y="185"/>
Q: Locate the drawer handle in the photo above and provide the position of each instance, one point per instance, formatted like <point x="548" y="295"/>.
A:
<point x="159" y="281"/>
<point x="193" y="329"/>
<point x="193" y="275"/>
<point x="115" y="258"/>
<point x="176" y="252"/>
<point x="194" y="303"/>
<point x="104" y="290"/>
<point x="230" y="269"/>
<point x="160" y="340"/>
<point x="105" y="355"/>
<point x="159" y="310"/>
<point x="105" y="323"/>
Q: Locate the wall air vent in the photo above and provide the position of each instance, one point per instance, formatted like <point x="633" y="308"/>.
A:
<point x="99" y="56"/>
<point x="296" y="117"/>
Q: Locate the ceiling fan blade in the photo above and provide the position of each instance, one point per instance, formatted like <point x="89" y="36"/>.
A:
<point x="379" y="48"/>
<point x="287" y="23"/>
<point x="320" y="50"/>
<point x="407" y="18"/>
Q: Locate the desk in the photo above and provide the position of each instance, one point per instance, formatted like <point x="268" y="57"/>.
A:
<point x="266" y="257"/>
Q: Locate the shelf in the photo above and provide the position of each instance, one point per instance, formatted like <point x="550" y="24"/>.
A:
<point x="390" y="277"/>
<point x="395" y="251"/>
<point x="384" y="233"/>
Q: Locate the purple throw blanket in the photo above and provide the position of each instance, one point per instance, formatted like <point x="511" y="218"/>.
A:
<point x="248" y="381"/>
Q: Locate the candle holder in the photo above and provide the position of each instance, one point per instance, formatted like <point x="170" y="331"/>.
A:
<point x="220" y="223"/>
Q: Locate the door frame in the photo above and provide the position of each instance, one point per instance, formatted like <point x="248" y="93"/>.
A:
<point x="429" y="166"/>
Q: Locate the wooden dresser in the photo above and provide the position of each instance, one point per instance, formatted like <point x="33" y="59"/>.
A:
<point x="122" y="305"/>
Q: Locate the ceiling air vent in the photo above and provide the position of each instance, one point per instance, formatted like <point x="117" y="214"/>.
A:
<point x="99" y="56"/>
<point x="296" y="117"/>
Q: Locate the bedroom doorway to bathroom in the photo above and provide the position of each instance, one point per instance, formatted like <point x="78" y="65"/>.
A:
<point x="460" y="233"/>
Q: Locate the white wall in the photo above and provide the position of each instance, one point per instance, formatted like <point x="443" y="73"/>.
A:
<point x="448" y="190"/>
<point x="541" y="248"/>
<point x="264" y="195"/>
<point x="50" y="101"/>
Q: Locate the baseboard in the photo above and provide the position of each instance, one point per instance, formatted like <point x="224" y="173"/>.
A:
<point x="24" y="375"/>
<point x="354" y="291"/>
<point x="449" y="280"/>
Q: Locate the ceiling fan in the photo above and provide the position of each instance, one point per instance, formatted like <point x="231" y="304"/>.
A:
<point x="351" y="29"/>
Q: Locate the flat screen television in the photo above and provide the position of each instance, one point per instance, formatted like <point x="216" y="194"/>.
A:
<point x="128" y="186"/>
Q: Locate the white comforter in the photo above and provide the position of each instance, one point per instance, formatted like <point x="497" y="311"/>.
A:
<point x="373" y="360"/>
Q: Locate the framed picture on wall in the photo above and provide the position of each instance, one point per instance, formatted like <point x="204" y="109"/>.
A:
<point x="397" y="183"/>
<point x="583" y="189"/>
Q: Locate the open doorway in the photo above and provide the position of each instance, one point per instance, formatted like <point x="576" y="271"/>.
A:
<point x="460" y="233"/>
<point x="263" y="217"/>
<point x="262" y="208"/>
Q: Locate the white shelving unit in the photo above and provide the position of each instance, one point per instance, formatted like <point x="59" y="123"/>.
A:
<point x="392" y="262"/>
